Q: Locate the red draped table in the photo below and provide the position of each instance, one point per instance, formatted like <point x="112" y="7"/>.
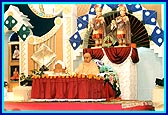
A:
<point x="70" y="87"/>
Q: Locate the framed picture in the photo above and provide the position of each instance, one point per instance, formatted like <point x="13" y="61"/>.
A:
<point x="14" y="73"/>
<point x="15" y="51"/>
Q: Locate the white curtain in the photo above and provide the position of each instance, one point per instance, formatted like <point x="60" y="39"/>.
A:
<point x="127" y="73"/>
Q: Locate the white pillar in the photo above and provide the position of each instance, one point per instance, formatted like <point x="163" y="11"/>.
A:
<point x="69" y="28"/>
<point x="23" y="60"/>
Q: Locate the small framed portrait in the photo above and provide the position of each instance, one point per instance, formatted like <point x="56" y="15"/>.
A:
<point x="15" y="54"/>
<point x="14" y="73"/>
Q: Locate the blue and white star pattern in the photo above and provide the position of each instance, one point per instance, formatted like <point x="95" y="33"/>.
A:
<point x="157" y="36"/>
<point x="113" y="6"/>
<point x="75" y="40"/>
<point x="92" y="9"/>
<point x="149" y="17"/>
<point x="82" y="22"/>
<point x="134" y="7"/>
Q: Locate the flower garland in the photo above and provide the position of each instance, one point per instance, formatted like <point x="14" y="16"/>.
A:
<point x="110" y="76"/>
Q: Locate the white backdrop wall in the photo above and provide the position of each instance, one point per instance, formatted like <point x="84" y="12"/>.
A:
<point x="150" y="67"/>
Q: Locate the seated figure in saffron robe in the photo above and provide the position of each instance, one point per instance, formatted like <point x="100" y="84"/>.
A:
<point x="87" y="66"/>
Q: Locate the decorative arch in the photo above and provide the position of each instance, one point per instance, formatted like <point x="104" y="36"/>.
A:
<point x="13" y="37"/>
<point x="34" y="42"/>
<point x="143" y="24"/>
<point x="17" y="22"/>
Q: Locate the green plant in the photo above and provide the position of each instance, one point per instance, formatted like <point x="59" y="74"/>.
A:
<point x="27" y="80"/>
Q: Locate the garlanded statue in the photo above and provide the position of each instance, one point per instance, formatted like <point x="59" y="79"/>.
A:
<point x="98" y="25"/>
<point x="121" y="27"/>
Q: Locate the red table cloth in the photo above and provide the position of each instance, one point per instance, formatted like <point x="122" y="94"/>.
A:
<point x="70" y="87"/>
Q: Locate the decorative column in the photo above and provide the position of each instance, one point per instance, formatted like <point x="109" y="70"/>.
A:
<point x="69" y="28"/>
<point x="23" y="57"/>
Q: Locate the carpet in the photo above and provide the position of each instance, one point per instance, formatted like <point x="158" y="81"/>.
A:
<point x="116" y="105"/>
